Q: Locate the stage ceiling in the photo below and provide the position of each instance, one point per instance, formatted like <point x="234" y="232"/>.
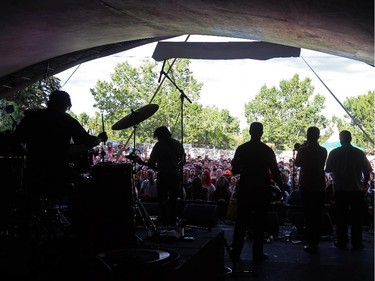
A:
<point x="44" y="37"/>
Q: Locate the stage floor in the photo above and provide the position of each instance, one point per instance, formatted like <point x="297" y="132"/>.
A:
<point x="288" y="261"/>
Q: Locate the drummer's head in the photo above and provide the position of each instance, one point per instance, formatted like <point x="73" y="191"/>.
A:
<point x="59" y="100"/>
<point x="162" y="132"/>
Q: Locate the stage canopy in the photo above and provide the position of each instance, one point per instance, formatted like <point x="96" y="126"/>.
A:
<point x="41" y="38"/>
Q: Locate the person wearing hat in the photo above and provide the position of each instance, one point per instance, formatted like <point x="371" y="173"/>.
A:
<point x="165" y="158"/>
<point x="256" y="164"/>
<point x="46" y="135"/>
<point x="311" y="158"/>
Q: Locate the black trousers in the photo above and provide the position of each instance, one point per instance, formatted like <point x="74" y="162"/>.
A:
<point x="168" y="191"/>
<point x="313" y="207"/>
<point x="350" y="210"/>
<point x="251" y="213"/>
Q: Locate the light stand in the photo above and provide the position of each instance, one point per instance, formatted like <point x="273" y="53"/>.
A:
<point x="183" y="96"/>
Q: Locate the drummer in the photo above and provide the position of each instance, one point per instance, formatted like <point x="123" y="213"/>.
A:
<point x="47" y="135"/>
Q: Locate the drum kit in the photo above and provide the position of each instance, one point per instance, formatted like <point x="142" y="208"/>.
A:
<point x="133" y="261"/>
<point x="131" y="120"/>
<point x="136" y="117"/>
<point x="108" y="194"/>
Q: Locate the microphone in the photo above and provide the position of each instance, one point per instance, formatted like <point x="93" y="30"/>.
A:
<point x="161" y="72"/>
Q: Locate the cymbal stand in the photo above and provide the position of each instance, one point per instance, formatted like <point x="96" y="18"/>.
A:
<point x="138" y="207"/>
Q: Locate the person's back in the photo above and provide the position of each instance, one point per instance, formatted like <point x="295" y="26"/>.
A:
<point x="347" y="163"/>
<point x="167" y="153"/>
<point x="47" y="134"/>
<point x="167" y="156"/>
<point x="254" y="170"/>
<point x="256" y="163"/>
<point x="311" y="158"/>
<point x="350" y="171"/>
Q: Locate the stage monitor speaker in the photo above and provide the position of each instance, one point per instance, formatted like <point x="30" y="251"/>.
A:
<point x="204" y="215"/>
<point x="152" y="208"/>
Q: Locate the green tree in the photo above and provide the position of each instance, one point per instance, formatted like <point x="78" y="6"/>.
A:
<point x="361" y="108"/>
<point x="286" y="113"/>
<point x="35" y="96"/>
<point x="131" y="88"/>
<point x="216" y="128"/>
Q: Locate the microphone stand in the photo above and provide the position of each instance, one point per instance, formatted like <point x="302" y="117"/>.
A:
<point x="183" y="96"/>
<point x="102" y="152"/>
<point x="295" y="151"/>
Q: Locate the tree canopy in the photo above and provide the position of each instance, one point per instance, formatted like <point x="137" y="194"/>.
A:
<point x="361" y="108"/>
<point x="131" y="88"/>
<point x="287" y="112"/>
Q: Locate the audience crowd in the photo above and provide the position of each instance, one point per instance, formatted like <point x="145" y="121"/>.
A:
<point x="211" y="180"/>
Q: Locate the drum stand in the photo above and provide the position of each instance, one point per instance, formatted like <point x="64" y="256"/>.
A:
<point x="141" y="212"/>
<point x="138" y="207"/>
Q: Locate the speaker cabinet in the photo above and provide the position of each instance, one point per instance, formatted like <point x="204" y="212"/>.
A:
<point x="204" y="215"/>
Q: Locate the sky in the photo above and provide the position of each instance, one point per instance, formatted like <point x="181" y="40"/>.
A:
<point x="229" y="84"/>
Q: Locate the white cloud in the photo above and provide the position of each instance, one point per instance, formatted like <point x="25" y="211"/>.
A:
<point x="229" y="84"/>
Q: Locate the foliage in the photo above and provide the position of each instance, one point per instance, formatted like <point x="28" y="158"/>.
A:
<point x="286" y="113"/>
<point x="131" y="88"/>
<point x="361" y="108"/>
<point x="35" y="96"/>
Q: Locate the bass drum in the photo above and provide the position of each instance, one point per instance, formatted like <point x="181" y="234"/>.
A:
<point x="139" y="263"/>
<point x="106" y="209"/>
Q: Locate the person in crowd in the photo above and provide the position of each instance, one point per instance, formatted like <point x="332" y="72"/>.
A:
<point x="256" y="163"/>
<point x="186" y="183"/>
<point x="222" y="196"/>
<point x="165" y="158"/>
<point x="233" y="184"/>
<point x="311" y="158"/>
<point x="197" y="193"/>
<point x="350" y="170"/>
<point x="294" y="199"/>
<point x="47" y="131"/>
<point x="148" y="191"/>
<point x="208" y="187"/>
<point x="232" y="207"/>
<point x="329" y="194"/>
<point x="228" y="174"/>
<point x="285" y="175"/>
<point x="213" y="174"/>
<point x="219" y="172"/>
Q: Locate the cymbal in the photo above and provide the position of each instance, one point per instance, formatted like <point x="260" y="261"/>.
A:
<point x="136" y="117"/>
